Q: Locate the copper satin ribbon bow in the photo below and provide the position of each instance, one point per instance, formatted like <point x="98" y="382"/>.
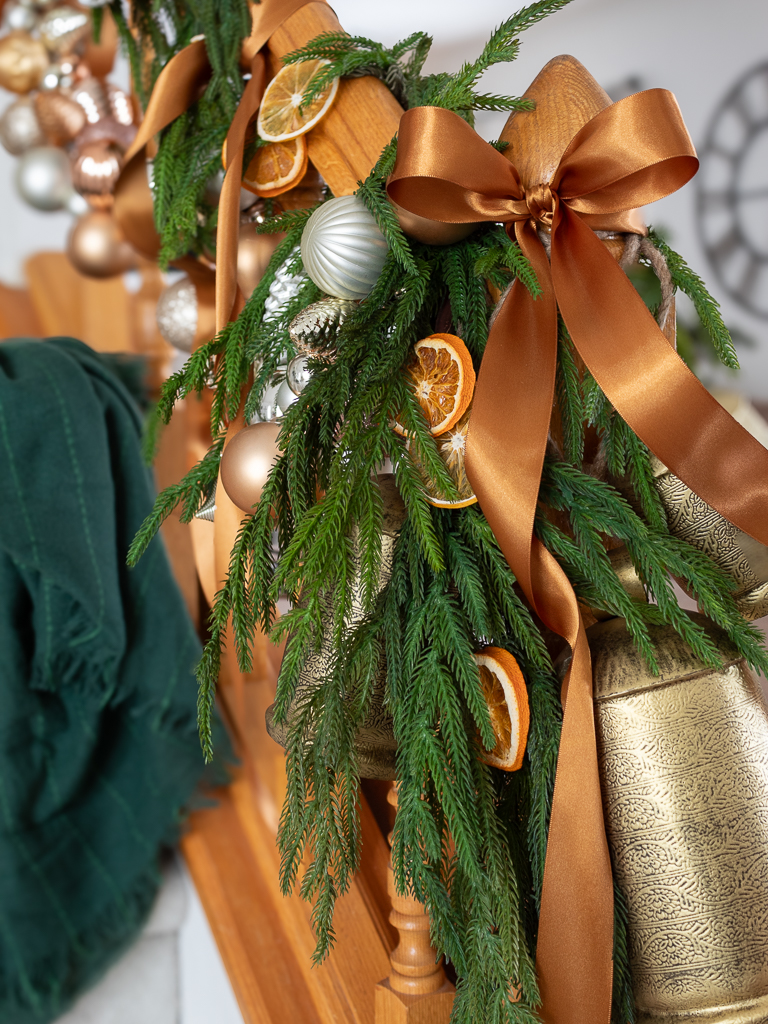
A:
<point x="175" y="90"/>
<point x="631" y="153"/>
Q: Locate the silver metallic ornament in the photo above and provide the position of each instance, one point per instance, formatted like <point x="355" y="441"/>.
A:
<point x="62" y="28"/>
<point x="18" y="17"/>
<point x="58" y="76"/>
<point x="43" y="178"/>
<point x="208" y="509"/>
<point x="94" y="3"/>
<point x="286" y="396"/>
<point x="19" y="127"/>
<point x="269" y="408"/>
<point x="343" y="249"/>
<point x="177" y="314"/>
<point x="285" y="287"/>
<point x="298" y="374"/>
<point x="77" y="205"/>
<point x="314" y="330"/>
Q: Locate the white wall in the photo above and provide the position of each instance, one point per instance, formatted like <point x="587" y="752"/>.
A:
<point x="687" y="46"/>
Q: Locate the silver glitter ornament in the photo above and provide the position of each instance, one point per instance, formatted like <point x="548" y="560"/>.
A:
<point x="343" y="249"/>
<point x="94" y="3"/>
<point x="285" y="287"/>
<point x="62" y="28"/>
<point x="176" y="314"/>
<point x="58" y="76"/>
<point x="208" y="509"/>
<point x="19" y="127"/>
<point x="18" y="17"/>
<point x="298" y="374"/>
<point x="314" y="330"/>
<point x="43" y="178"/>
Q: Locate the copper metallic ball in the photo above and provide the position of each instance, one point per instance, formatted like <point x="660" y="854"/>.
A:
<point x="23" y="62"/>
<point x="60" y="117"/>
<point x="431" y="232"/>
<point x="247" y="461"/>
<point x="96" y="246"/>
<point x="96" y="169"/>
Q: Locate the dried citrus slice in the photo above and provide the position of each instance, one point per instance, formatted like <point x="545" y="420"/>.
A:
<point x="439" y="371"/>
<point x="451" y="445"/>
<point x="507" y="699"/>
<point x="276" y="167"/>
<point x="282" y="114"/>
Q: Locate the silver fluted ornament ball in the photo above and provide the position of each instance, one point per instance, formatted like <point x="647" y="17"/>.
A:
<point x="246" y="463"/>
<point x="19" y="127"/>
<point x="177" y="314"/>
<point x="343" y="249"/>
<point x="43" y="177"/>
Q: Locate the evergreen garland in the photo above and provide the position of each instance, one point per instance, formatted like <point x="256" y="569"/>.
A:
<point x="469" y="840"/>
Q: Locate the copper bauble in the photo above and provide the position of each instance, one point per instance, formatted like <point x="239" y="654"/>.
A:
<point x="109" y="131"/>
<point x="253" y="254"/>
<point x="62" y="29"/>
<point x="97" y="248"/>
<point x="246" y="463"/>
<point x="23" y="61"/>
<point x="19" y="127"/>
<point x="89" y="93"/>
<point x="431" y="232"/>
<point x="60" y="117"/>
<point x="96" y="170"/>
<point x="119" y="104"/>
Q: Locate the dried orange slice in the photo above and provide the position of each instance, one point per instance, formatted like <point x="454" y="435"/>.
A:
<point x="283" y="114"/>
<point x="451" y="445"/>
<point x="439" y="371"/>
<point x="507" y="699"/>
<point x="276" y="167"/>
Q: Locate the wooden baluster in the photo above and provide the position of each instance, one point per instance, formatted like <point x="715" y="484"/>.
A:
<point x="417" y="990"/>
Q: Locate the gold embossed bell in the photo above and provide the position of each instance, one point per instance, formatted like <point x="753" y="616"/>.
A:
<point x="375" y="739"/>
<point x="684" y="767"/>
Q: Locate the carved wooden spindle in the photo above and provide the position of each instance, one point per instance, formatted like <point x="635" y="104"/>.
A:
<point x="417" y="990"/>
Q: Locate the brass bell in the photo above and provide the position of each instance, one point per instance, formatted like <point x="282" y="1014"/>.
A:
<point x="375" y="739"/>
<point x="684" y="769"/>
<point x="693" y="520"/>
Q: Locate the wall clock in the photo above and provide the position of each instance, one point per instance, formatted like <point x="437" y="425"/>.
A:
<point x="732" y="195"/>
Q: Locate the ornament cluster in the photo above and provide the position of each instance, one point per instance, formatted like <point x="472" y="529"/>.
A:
<point x="69" y="126"/>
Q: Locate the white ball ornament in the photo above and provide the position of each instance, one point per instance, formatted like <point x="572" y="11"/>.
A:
<point x="19" y="127"/>
<point x="18" y="17"/>
<point x="298" y="374"/>
<point x="342" y="248"/>
<point x="177" y="313"/>
<point x="286" y="396"/>
<point x="43" y="178"/>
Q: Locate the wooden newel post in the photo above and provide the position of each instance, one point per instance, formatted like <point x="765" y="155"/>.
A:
<point x="417" y="990"/>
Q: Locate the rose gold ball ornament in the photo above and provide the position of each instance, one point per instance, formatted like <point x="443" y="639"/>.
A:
<point x="254" y="252"/>
<point x="62" y="29"/>
<point x="19" y="127"/>
<point x="119" y="104"/>
<point x="60" y="117"/>
<point x="246" y="463"/>
<point x="23" y="61"/>
<point x="96" y="246"/>
<point x="43" y="178"/>
<point x="431" y="232"/>
<point x="96" y="170"/>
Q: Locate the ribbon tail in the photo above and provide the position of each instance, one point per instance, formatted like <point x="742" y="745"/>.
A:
<point x="505" y="452"/>
<point x="228" y="228"/>
<point x="650" y="386"/>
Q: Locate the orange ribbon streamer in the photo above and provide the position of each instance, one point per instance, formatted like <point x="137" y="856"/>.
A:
<point x="176" y="89"/>
<point x="631" y="153"/>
